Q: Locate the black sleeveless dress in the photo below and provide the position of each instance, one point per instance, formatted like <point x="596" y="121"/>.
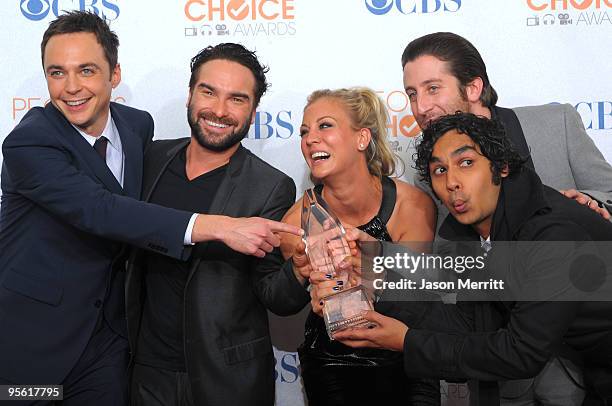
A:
<point x="334" y="374"/>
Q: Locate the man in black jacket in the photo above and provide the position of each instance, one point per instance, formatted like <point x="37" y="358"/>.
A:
<point x="492" y="197"/>
<point x="444" y="73"/>
<point x="198" y="329"/>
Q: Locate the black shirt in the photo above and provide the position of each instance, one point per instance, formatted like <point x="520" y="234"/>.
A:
<point x="160" y="341"/>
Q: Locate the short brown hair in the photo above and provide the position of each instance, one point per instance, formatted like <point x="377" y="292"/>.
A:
<point x="463" y="59"/>
<point x="84" y="21"/>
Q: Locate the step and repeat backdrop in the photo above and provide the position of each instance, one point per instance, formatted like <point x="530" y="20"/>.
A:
<point x="537" y="52"/>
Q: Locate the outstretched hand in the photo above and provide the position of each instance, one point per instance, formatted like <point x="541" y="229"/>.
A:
<point x="248" y="235"/>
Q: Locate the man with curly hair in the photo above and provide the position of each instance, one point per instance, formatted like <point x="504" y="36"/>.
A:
<point x="444" y="73"/>
<point x="493" y="197"/>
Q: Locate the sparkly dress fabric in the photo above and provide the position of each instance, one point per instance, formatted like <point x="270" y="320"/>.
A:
<point x="334" y="374"/>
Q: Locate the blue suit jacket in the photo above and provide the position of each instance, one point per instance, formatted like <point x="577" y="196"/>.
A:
<point x="63" y="221"/>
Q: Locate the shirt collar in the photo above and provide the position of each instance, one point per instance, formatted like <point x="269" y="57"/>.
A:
<point x="110" y="132"/>
<point x="486" y="244"/>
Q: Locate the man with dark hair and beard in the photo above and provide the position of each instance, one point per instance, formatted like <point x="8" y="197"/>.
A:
<point x="198" y="329"/>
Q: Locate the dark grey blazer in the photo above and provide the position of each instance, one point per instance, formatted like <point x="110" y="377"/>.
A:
<point x="563" y="154"/>
<point x="228" y="351"/>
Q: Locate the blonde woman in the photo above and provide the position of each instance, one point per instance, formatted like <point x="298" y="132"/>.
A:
<point x="344" y="143"/>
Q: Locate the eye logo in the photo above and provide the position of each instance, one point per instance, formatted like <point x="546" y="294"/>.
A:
<point x="379" y="7"/>
<point x="35" y="10"/>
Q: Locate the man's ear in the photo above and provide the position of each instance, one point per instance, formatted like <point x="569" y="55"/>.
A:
<point x="116" y="76"/>
<point x="505" y="171"/>
<point x="473" y="90"/>
<point x="188" y="99"/>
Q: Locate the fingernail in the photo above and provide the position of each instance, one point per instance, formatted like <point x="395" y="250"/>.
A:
<point x="340" y="283"/>
<point x="328" y="276"/>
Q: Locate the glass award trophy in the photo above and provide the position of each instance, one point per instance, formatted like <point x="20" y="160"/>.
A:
<point x="326" y="247"/>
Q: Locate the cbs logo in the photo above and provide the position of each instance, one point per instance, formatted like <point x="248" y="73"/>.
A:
<point x="380" y="7"/>
<point x="36" y="10"/>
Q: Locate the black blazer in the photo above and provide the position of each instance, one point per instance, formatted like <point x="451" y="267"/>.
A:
<point x="62" y="221"/>
<point x="228" y="351"/>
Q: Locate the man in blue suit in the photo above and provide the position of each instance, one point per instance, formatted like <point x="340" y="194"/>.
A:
<point x="71" y="178"/>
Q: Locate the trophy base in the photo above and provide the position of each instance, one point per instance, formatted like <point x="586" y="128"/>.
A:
<point x="345" y="309"/>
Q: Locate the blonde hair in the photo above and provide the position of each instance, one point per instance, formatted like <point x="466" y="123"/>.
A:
<point x="366" y="110"/>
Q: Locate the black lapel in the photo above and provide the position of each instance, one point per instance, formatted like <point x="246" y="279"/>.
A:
<point x="96" y="164"/>
<point x="230" y="180"/>
<point x="222" y="197"/>
<point x="164" y="161"/>
<point x="514" y="131"/>
<point x="132" y="147"/>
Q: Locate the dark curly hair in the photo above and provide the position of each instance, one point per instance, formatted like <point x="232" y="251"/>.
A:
<point x="235" y="53"/>
<point x="489" y="135"/>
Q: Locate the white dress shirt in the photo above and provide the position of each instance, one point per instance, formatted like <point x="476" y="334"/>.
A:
<point x="114" y="152"/>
